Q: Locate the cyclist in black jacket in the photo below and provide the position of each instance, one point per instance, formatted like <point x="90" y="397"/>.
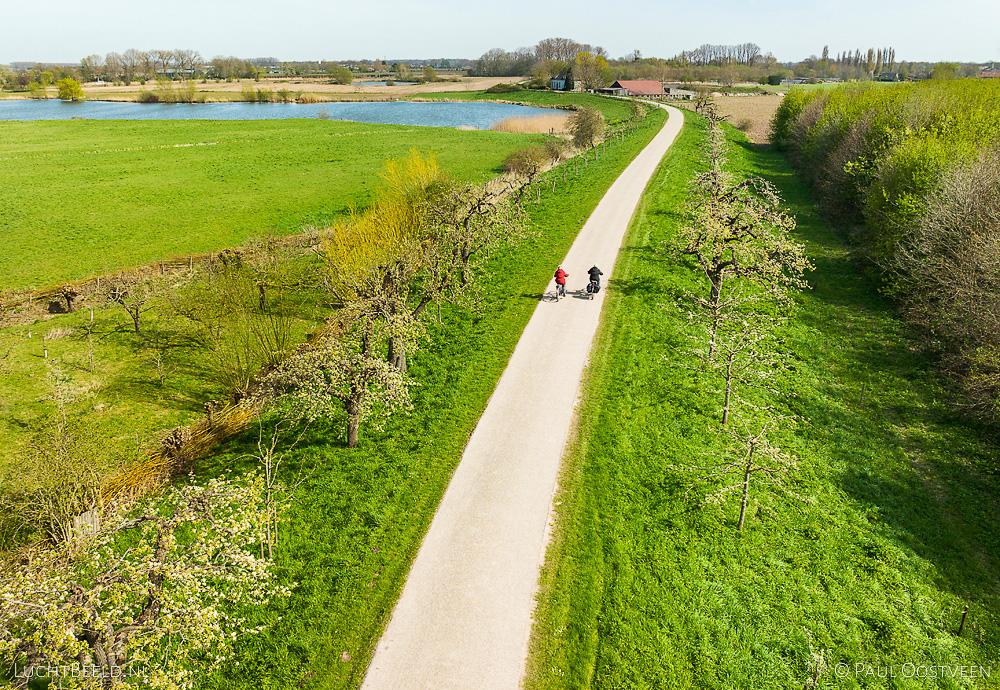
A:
<point x="595" y="276"/>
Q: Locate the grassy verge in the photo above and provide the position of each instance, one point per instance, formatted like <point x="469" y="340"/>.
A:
<point x="359" y="518"/>
<point x="83" y="198"/>
<point x="644" y="588"/>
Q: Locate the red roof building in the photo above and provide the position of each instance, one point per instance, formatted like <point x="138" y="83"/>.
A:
<point x="990" y="74"/>
<point x="646" y="88"/>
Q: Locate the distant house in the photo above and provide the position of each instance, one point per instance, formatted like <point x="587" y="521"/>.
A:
<point x="643" y="89"/>
<point x="888" y="76"/>
<point x="559" y="82"/>
<point x="990" y="74"/>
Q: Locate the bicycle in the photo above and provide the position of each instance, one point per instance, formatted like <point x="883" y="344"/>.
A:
<point x="560" y="291"/>
<point x="593" y="287"/>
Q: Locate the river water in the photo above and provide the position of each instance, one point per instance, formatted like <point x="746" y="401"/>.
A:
<point x="427" y="114"/>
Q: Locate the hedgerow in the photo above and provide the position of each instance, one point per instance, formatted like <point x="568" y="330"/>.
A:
<point x="887" y="162"/>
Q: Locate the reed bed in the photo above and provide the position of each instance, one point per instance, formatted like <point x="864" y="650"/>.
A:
<point x="539" y="124"/>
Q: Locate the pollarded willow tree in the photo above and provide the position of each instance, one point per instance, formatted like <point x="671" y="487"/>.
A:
<point x="373" y="259"/>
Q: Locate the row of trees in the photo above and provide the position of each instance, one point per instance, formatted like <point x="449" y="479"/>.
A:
<point x="719" y="55"/>
<point x="421" y="242"/>
<point x="738" y="239"/>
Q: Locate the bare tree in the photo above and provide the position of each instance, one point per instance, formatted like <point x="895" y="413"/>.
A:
<point x="273" y="447"/>
<point x="739" y="345"/>
<point x="558" y="49"/>
<point x="752" y="458"/>
<point x="132" y="291"/>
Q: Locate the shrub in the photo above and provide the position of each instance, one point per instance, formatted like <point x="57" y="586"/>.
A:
<point x="505" y="88"/>
<point x="147" y="97"/>
<point x="528" y="161"/>
<point x="587" y="127"/>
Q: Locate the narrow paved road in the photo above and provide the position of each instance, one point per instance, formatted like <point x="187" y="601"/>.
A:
<point x="464" y="617"/>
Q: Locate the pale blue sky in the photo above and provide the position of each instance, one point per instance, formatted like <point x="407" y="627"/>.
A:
<point x="63" y="31"/>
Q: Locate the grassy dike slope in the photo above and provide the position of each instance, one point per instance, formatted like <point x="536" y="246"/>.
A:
<point x="359" y="519"/>
<point x="83" y="198"/>
<point x="644" y="589"/>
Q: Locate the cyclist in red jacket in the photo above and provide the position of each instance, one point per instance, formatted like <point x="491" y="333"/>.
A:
<point x="560" y="277"/>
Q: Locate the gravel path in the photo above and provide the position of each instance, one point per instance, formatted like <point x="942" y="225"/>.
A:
<point x="464" y="617"/>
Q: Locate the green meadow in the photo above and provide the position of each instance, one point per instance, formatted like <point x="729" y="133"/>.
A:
<point x="80" y="198"/>
<point x="648" y="586"/>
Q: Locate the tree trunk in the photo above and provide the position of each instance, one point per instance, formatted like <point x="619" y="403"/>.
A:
<point x="397" y="354"/>
<point x="262" y="299"/>
<point x="746" y="491"/>
<point x="713" y="302"/>
<point x="135" y="319"/>
<point x="729" y="390"/>
<point x="353" y="422"/>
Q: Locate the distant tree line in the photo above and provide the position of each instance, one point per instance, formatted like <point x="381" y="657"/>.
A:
<point x="586" y="65"/>
<point x="553" y="53"/>
<point x="141" y="66"/>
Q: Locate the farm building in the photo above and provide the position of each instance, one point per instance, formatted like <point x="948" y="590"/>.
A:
<point x="645" y="89"/>
<point x="676" y="93"/>
<point x="990" y="74"/>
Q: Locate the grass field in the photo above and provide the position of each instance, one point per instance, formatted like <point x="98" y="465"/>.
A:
<point x="83" y="198"/>
<point x="359" y="518"/>
<point x="646" y="589"/>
